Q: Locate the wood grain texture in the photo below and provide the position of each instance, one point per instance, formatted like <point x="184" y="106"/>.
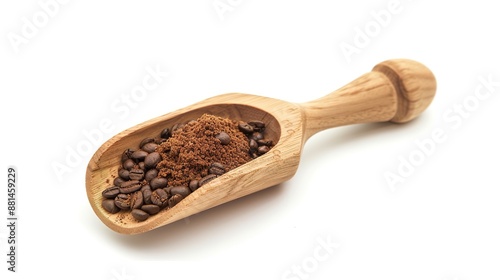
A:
<point x="396" y="90"/>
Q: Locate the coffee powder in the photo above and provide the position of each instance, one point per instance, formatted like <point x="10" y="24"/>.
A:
<point x="189" y="152"/>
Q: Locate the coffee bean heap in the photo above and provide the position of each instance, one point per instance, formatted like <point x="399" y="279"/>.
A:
<point x="165" y="170"/>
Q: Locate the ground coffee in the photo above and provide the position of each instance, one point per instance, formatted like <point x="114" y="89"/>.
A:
<point x="189" y="153"/>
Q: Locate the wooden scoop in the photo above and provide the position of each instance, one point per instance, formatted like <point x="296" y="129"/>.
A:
<point x="395" y="90"/>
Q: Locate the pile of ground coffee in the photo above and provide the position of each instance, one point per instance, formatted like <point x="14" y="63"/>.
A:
<point x="188" y="154"/>
<point x="166" y="169"/>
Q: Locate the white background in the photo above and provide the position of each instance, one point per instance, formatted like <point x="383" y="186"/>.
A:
<point x="441" y="223"/>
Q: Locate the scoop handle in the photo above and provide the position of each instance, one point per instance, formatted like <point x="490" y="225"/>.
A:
<point x="396" y="90"/>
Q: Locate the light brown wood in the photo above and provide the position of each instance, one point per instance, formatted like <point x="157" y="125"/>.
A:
<point x="396" y="90"/>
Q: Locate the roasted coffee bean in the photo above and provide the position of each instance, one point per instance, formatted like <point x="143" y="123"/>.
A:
<point x="160" y="140"/>
<point x="223" y="138"/>
<point x="136" y="174"/>
<point x="167" y="190"/>
<point x="181" y="190"/>
<point x="111" y="192"/>
<point x="151" y="209"/>
<point x="136" y="200"/>
<point x="218" y="165"/>
<point x="139" y="155"/>
<point x="177" y="126"/>
<point x="130" y="186"/>
<point x="123" y="201"/>
<point x="149" y="147"/>
<point x="257" y="125"/>
<point x="146" y="194"/>
<point x="124" y="174"/>
<point x="110" y="206"/>
<point x="253" y="145"/>
<point x="262" y="150"/>
<point x="206" y="179"/>
<point x="216" y="168"/>
<point x="165" y="133"/>
<point x="145" y="141"/>
<point x="141" y="165"/>
<point x="254" y="155"/>
<point x="265" y="142"/>
<point x="257" y="136"/>
<point x="245" y="127"/>
<point x="193" y="185"/>
<point x="152" y="160"/>
<point x="128" y="164"/>
<point x="159" y="197"/>
<point x="150" y="174"/>
<point x="158" y="183"/>
<point x="118" y="181"/>
<point x="140" y="215"/>
<point x="174" y="200"/>
<point x="126" y="154"/>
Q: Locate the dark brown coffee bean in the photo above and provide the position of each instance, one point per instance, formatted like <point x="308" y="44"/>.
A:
<point x="136" y="174"/>
<point x="118" y="181"/>
<point x="149" y="147"/>
<point x="128" y="164"/>
<point x="151" y="174"/>
<point x="265" y="142"/>
<point x="146" y="194"/>
<point x="124" y="174"/>
<point x="151" y="209"/>
<point x="257" y="136"/>
<point x="257" y="124"/>
<point x="160" y="140"/>
<point x="130" y="183"/>
<point x="130" y="186"/>
<point x="159" y="197"/>
<point x="253" y="145"/>
<point x="245" y="127"/>
<point x="262" y="150"/>
<point x="158" y="183"/>
<point x="216" y="168"/>
<point x="165" y="133"/>
<point x="254" y="155"/>
<point x="136" y="200"/>
<point x="206" y="179"/>
<point x="181" y="190"/>
<point x="139" y="155"/>
<point x="141" y="165"/>
<point x="152" y="160"/>
<point x="223" y="138"/>
<point x="193" y="185"/>
<point x="167" y="190"/>
<point x="174" y="200"/>
<point x="111" y="192"/>
<point x="218" y="165"/>
<point x="145" y="141"/>
<point x="140" y="215"/>
<point x="126" y="154"/>
<point x="110" y="206"/>
<point x="122" y="201"/>
<point x="177" y="126"/>
<point x="146" y="187"/>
